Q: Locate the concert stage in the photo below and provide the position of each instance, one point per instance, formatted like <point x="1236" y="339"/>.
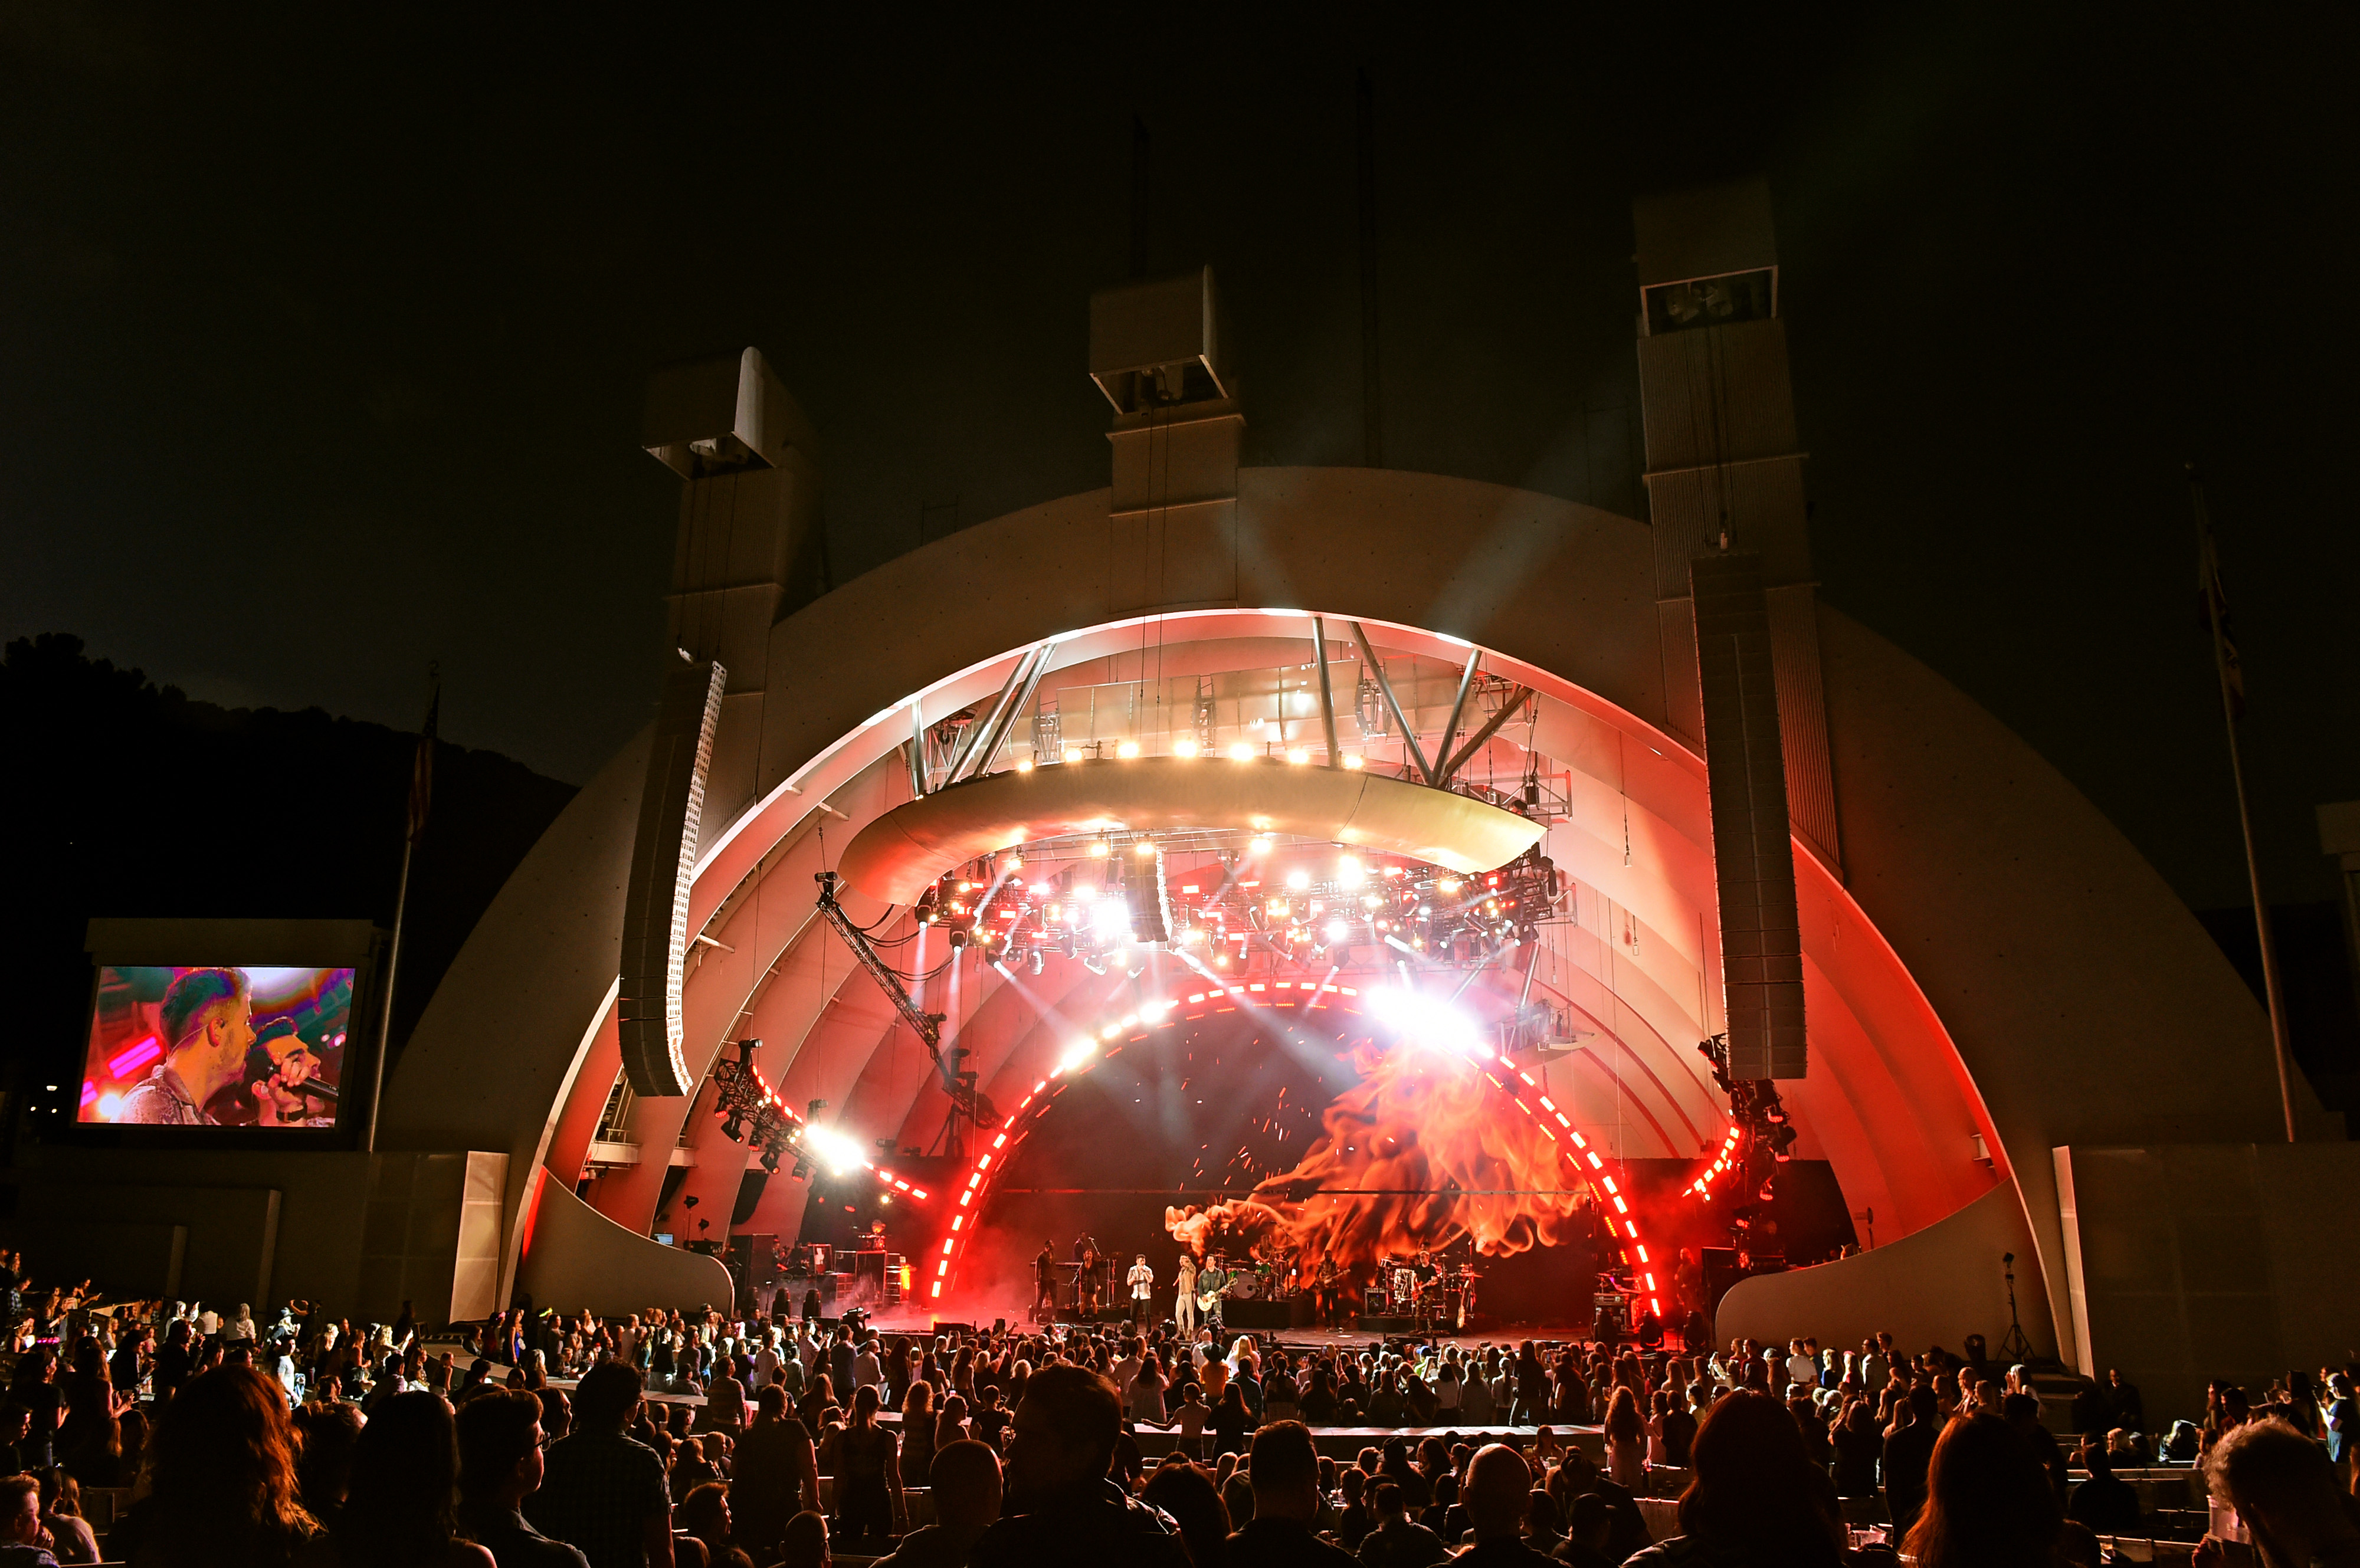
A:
<point x="1328" y="856"/>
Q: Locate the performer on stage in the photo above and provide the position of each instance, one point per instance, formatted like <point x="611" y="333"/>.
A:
<point x="1086" y="1298"/>
<point x="1211" y="1280"/>
<point x="1044" y="1283"/>
<point x="1183" y="1310"/>
<point x="1328" y="1296"/>
<point x="1141" y="1280"/>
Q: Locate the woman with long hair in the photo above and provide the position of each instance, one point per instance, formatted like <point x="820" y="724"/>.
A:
<point x="1988" y="1502"/>
<point x="1188" y="1493"/>
<point x="401" y="1507"/>
<point x="60" y="1500"/>
<point x="1145" y="1394"/>
<point x="951" y="1423"/>
<point x="221" y="1471"/>
<point x="1626" y="1440"/>
<point x="1757" y="1500"/>
<point x="868" y="1477"/>
<point x="918" y="1434"/>
<point x="1232" y="1420"/>
<point x="1859" y="1446"/>
<point x="818" y="1394"/>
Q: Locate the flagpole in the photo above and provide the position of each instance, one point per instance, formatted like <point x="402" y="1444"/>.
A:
<point x="419" y="777"/>
<point x="2273" y="993"/>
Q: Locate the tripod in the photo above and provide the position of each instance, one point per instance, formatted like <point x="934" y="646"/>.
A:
<point x="2013" y="1346"/>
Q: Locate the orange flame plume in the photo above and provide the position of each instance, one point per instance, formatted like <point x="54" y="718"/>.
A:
<point x="1416" y="1155"/>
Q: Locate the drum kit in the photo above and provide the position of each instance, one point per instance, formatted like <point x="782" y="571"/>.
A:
<point x="1438" y="1293"/>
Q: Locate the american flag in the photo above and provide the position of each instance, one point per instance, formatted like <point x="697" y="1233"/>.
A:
<point x="421" y="769"/>
<point x="2212" y="600"/>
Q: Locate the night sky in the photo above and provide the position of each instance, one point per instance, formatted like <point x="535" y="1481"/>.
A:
<point x="322" y="337"/>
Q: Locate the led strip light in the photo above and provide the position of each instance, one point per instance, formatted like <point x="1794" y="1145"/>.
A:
<point x="1098" y="1045"/>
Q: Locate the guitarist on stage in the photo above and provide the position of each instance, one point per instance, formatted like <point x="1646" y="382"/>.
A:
<point x="1328" y="1292"/>
<point x="1212" y="1283"/>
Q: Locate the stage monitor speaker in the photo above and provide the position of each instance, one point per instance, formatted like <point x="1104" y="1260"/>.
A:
<point x="1752" y="842"/>
<point x="655" y="900"/>
<point x="1238" y="1314"/>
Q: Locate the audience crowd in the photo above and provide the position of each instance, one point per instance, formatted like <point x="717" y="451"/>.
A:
<point x="550" y="1440"/>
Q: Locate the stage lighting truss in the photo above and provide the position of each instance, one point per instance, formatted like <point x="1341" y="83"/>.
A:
<point x="752" y="1114"/>
<point x="1299" y="902"/>
<point x="1761" y="1135"/>
<point x="1109" y="1036"/>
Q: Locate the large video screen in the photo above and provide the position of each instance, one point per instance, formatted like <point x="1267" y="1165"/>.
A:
<point x="254" y="1047"/>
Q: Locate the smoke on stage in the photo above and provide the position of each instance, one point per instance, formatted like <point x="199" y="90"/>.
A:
<point x="1416" y="1155"/>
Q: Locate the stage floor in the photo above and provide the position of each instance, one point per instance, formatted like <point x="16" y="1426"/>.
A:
<point x="901" y="1321"/>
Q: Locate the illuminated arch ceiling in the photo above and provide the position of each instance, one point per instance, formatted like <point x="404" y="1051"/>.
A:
<point x="1627" y="962"/>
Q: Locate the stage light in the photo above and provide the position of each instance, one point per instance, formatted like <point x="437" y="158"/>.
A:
<point x="1427" y="1020"/>
<point x="1014" y="862"/>
<point x="1278" y="908"/>
<point x="1260" y="844"/>
<point x="1073" y="754"/>
<point x="1185" y="747"/>
<point x="1299" y="880"/>
<point x="1080" y="1052"/>
<point x="1352" y="764"/>
<point x="1371" y="901"/>
<point x="1242" y="751"/>
<point x="1337" y="930"/>
<point x="1143" y="848"/>
<point x="1298" y="756"/>
<point x="1039" y="962"/>
<point x="1191" y="937"/>
<point x="1448" y="885"/>
<point x="1101" y="849"/>
<point x="1127" y="748"/>
<point x="1023" y="765"/>
<point x="1348" y="873"/>
<point x="1083" y="892"/>
<point x="832" y="1148"/>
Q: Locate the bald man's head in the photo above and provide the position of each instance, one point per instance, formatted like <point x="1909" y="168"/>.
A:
<point x="1499" y="1484"/>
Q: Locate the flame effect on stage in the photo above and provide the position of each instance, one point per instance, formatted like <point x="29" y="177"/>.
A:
<point x="1441" y="1140"/>
<point x="1416" y="1155"/>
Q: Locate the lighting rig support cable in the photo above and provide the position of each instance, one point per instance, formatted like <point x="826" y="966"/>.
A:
<point x="928" y="1026"/>
<point x="1376" y="668"/>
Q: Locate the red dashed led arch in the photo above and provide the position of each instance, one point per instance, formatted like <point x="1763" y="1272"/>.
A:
<point x="1108" y="1038"/>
